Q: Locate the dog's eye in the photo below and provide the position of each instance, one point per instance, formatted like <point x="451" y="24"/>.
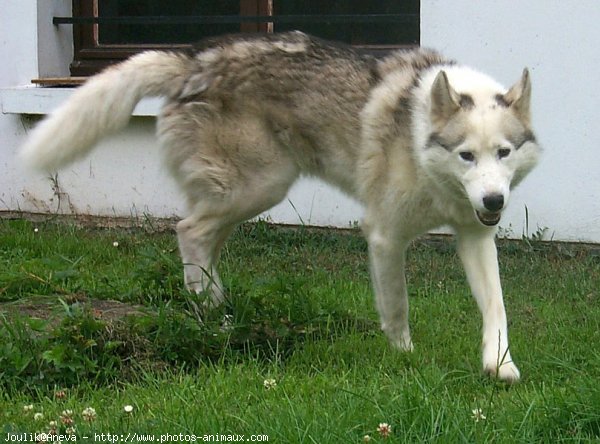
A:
<point x="503" y="152"/>
<point x="467" y="156"/>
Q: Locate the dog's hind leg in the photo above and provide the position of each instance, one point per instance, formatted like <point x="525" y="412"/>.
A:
<point x="222" y="192"/>
<point x="202" y="235"/>
<point x="478" y="253"/>
<point x="232" y="167"/>
<point x="200" y="241"/>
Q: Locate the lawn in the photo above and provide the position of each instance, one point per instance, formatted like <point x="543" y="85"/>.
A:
<point x="99" y="339"/>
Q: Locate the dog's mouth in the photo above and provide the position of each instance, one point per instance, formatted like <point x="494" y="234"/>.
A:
<point x="489" y="219"/>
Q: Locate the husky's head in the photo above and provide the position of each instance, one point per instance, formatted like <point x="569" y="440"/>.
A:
<point x="480" y="143"/>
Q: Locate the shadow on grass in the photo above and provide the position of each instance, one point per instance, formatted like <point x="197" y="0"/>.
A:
<point x="59" y="342"/>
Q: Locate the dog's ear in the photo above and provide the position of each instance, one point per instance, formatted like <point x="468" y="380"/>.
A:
<point x="445" y="102"/>
<point x="518" y="98"/>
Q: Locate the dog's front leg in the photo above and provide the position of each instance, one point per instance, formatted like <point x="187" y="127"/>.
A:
<point x="478" y="253"/>
<point x="387" y="258"/>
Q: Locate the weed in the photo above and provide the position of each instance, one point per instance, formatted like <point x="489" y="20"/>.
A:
<point x="295" y="352"/>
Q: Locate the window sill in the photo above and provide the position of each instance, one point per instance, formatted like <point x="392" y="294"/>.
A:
<point x="40" y="101"/>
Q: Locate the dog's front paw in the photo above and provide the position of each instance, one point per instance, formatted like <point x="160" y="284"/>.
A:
<point x="400" y="341"/>
<point x="507" y="372"/>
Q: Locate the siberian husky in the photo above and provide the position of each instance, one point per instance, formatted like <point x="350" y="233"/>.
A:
<point x="419" y="140"/>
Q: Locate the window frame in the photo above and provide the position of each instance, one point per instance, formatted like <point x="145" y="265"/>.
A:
<point x="90" y="56"/>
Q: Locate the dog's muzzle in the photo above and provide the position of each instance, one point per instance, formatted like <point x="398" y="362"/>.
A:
<point x="489" y="219"/>
<point x="493" y="204"/>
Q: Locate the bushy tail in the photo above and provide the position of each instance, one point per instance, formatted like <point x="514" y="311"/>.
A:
<point x="102" y="105"/>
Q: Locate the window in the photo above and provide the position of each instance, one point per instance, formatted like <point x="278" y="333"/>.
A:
<point x="106" y="31"/>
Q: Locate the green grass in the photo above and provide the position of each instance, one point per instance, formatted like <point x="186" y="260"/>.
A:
<point x="112" y="326"/>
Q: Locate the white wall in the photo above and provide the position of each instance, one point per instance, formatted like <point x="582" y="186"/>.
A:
<point x="556" y="39"/>
<point x="559" y="41"/>
<point x="19" y="57"/>
<point x="55" y="43"/>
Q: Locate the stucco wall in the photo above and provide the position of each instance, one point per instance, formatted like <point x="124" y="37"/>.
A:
<point x="556" y="39"/>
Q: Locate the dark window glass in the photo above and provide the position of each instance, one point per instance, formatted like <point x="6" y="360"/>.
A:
<point x="153" y="34"/>
<point x="99" y="45"/>
<point x="375" y="34"/>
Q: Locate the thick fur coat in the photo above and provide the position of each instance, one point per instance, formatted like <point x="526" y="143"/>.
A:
<point x="419" y="140"/>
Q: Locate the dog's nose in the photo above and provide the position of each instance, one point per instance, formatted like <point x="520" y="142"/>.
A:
<point x="493" y="202"/>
